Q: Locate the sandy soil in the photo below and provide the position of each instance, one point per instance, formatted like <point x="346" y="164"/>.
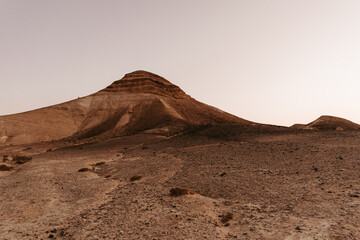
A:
<point x="283" y="185"/>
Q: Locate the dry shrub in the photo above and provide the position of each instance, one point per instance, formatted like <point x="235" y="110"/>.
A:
<point x="135" y="178"/>
<point x="84" y="170"/>
<point x="4" y="167"/>
<point x="227" y="217"/>
<point x="175" y="192"/>
<point x="21" y="159"/>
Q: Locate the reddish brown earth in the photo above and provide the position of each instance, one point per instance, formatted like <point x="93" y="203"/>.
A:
<point x="233" y="179"/>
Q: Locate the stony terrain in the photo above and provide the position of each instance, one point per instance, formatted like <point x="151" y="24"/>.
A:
<point x="143" y="160"/>
<point x="300" y="185"/>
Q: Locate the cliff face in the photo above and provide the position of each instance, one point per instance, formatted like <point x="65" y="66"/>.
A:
<point x="146" y="82"/>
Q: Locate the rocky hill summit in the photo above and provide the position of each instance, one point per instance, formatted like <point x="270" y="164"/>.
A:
<point x="146" y="82"/>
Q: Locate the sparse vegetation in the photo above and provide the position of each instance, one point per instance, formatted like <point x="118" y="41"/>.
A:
<point x="226" y="217"/>
<point x="135" y="178"/>
<point x="176" y="192"/>
<point x="4" y="167"/>
<point x="84" y="170"/>
<point x="21" y="159"/>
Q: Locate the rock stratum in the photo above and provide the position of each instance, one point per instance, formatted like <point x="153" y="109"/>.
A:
<point x="139" y="102"/>
<point x="146" y="82"/>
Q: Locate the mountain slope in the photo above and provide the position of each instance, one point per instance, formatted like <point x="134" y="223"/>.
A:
<point x="140" y="101"/>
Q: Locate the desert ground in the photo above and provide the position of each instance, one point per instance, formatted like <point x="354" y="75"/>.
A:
<point x="141" y="159"/>
<point x="236" y="184"/>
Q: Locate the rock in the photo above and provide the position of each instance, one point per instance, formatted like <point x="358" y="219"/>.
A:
<point x="84" y="170"/>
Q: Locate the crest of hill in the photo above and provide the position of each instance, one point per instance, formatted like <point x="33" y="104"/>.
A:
<point x="141" y="102"/>
<point x="329" y="123"/>
<point x="146" y="82"/>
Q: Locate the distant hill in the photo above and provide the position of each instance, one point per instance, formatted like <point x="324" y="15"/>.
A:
<point x="329" y="123"/>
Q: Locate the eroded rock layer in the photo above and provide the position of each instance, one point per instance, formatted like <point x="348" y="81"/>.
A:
<point x="146" y="82"/>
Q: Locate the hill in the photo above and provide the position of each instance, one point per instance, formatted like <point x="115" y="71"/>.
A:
<point x="139" y="102"/>
<point x="329" y="123"/>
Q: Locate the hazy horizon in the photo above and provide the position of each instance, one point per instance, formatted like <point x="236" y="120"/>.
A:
<point x="276" y="62"/>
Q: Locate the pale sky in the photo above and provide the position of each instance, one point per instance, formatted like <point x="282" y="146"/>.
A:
<point x="270" y="61"/>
